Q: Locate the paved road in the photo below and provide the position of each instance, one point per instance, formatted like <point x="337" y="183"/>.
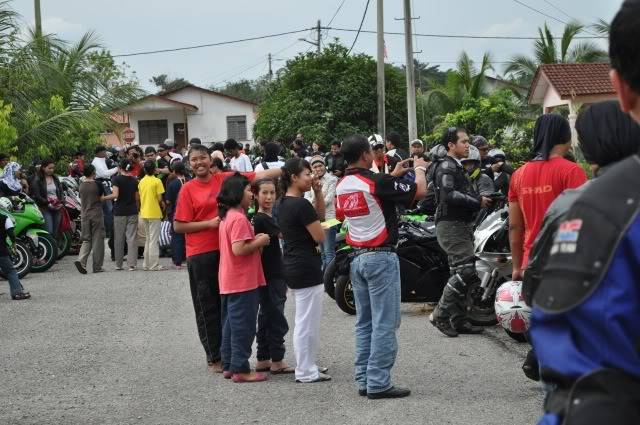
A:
<point x="121" y="347"/>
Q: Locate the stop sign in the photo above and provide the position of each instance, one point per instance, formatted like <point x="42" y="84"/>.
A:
<point x="129" y="135"/>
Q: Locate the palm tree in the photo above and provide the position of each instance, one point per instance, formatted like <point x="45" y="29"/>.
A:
<point x="546" y="50"/>
<point x="465" y="81"/>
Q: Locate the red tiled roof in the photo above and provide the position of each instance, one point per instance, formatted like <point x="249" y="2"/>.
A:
<point x="575" y="79"/>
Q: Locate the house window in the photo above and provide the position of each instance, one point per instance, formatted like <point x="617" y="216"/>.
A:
<point x="237" y="127"/>
<point x="152" y="132"/>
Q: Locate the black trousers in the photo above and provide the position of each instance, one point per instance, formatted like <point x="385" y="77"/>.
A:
<point x="272" y="323"/>
<point x="205" y="293"/>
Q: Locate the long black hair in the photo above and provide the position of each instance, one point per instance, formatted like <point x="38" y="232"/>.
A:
<point x="45" y="162"/>
<point x="292" y="167"/>
<point x="231" y="193"/>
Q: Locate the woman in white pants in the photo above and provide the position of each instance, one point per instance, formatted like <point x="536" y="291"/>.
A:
<point x="301" y="230"/>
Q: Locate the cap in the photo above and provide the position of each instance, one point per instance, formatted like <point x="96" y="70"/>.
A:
<point x="479" y="142"/>
<point x="417" y="142"/>
<point x="169" y="142"/>
<point x="317" y="159"/>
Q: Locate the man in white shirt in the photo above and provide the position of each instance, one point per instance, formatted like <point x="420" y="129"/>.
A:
<point x="239" y="161"/>
<point x="103" y="176"/>
<point x="100" y="162"/>
<point x="270" y="159"/>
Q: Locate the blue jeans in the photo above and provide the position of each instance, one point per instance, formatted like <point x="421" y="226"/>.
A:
<point x="239" y="314"/>
<point x="328" y="247"/>
<point x="375" y="278"/>
<point x="9" y="271"/>
<point x="107" y="211"/>
<point x="51" y="220"/>
<point x="272" y="323"/>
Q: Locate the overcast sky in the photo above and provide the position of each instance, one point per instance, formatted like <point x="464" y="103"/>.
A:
<point x="127" y="26"/>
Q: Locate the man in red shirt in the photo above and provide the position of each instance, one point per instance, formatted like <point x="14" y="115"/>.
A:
<point x="537" y="183"/>
<point x="196" y="215"/>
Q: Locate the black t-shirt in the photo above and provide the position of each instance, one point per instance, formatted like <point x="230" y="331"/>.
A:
<point x="271" y="254"/>
<point x="126" y="202"/>
<point x="301" y="260"/>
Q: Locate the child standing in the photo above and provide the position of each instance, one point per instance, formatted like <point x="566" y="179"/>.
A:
<point x="240" y="276"/>
<point x="272" y="323"/>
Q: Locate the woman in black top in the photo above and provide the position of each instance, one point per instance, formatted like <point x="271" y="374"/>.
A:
<point x="272" y="323"/>
<point x="302" y="232"/>
<point x="125" y="215"/>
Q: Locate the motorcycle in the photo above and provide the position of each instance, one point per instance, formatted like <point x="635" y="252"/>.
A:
<point x="21" y="256"/>
<point x="424" y="268"/>
<point x="29" y="228"/>
<point x="70" y="241"/>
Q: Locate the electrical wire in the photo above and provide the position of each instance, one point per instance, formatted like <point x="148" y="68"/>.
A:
<point x="360" y="27"/>
<point x="567" y="15"/>
<point x="221" y="43"/>
<point x="480" y="37"/>
<point x="336" y="14"/>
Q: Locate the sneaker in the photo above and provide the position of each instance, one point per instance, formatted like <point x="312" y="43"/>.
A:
<point x="132" y="269"/>
<point x="158" y="268"/>
<point x="362" y="393"/>
<point x="322" y="377"/>
<point x="80" y="267"/>
<point x="119" y="268"/>
<point x="393" y="392"/>
<point x="98" y="271"/>
<point x="21" y="296"/>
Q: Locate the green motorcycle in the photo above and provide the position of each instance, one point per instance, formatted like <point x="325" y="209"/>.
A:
<point x="29" y="229"/>
<point x="21" y="256"/>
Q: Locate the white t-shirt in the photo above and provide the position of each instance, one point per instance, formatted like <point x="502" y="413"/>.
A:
<point x="271" y="165"/>
<point x="242" y="164"/>
<point x="8" y="223"/>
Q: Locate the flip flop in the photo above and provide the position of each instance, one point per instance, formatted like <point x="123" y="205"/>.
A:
<point x="263" y="369"/>
<point x="284" y="371"/>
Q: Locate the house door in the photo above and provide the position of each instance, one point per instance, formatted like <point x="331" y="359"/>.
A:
<point x="179" y="135"/>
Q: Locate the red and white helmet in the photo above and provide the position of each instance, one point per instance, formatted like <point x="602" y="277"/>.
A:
<point x="512" y="312"/>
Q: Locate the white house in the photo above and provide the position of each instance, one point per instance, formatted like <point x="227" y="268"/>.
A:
<point x="191" y="112"/>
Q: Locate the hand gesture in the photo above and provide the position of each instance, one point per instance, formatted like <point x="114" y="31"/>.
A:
<point x="420" y="162"/>
<point x="316" y="185"/>
<point x="400" y="169"/>
<point x="496" y="167"/>
<point x="485" y="202"/>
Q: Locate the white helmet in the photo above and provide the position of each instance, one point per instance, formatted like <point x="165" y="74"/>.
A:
<point x="495" y="152"/>
<point x="474" y="154"/>
<point x="6" y="204"/>
<point x="376" y="140"/>
<point x="511" y="310"/>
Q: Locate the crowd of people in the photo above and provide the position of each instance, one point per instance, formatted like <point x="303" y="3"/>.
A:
<point x="573" y="243"/>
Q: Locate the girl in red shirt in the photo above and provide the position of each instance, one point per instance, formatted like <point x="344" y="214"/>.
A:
<point x="240" y="275"/>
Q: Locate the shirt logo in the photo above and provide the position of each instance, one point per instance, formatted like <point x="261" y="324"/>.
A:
<point x="402" y="186"/>
<point x="537" y="190"/>
<point x="353" y="204"/>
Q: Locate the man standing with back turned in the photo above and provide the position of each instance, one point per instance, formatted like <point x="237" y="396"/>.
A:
<point x="368" y="202"/>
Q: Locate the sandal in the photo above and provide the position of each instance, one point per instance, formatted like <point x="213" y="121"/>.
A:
<point x="21" y="296"/>
<point x="283" y="371"/>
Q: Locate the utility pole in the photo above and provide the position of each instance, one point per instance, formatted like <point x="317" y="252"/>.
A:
<point x="380" y="71"/>
<point x="270" y="75"/>
<point x="36" y="4"/>
<point x="411" y="86"/>
<point x="319" y="40"/>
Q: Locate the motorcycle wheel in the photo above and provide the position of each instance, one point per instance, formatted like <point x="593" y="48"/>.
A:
<point x="47" y="251"/>
<point x="64" y="244"/>
<point x="329" y="279"/>
<point x="517" y="337"/>
<point x="22" y="260"/>
<point x="480" y="313"/>
<point x="344" y="295"/>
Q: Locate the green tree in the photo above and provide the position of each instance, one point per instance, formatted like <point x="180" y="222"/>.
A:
<point x="166" y="84"/>
<point x="251" y="90"/>
<point x="522" y="68"/>
<point x="330" y="96"/>
<point x="62" y="94"/>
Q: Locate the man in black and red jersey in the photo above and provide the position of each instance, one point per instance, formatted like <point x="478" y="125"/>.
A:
<point x="368" y="202"/>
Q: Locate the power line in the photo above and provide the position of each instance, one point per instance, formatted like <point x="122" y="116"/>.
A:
<point x="566" y="14"/>
<point x="221" y="43"/>
<point x="360" y="27"/>
<point x="336" y="14"/>
<point x="480" y="37"/>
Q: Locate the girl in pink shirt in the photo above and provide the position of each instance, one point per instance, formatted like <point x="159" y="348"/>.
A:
<point x="240" y="275"/>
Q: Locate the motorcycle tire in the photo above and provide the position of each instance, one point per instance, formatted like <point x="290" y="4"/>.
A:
<point x="344" y="295"/>
<point x="483" y="313"/>
<point x="64" y="244"/>
<point x="329" y="279"/>
<point x="517" y="337"/>
<point x="47" y="250"/>
<point x="22" y="260"/>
